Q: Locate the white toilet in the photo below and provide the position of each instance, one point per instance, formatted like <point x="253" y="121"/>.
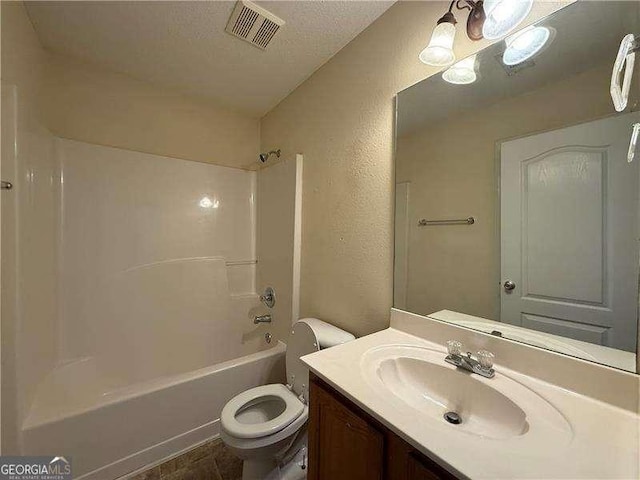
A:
<point x="266" y="425"/>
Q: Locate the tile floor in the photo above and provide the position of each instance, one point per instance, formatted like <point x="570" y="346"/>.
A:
<point x="209" y="461"/>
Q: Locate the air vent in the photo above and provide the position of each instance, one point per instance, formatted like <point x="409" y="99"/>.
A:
<point x="253" y="24"/>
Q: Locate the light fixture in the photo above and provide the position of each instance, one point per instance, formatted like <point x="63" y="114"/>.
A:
<point x="502" y="16"/>
<point x="439" y="52"/>
<point x="524" y="44"/>
<point x="462" y="73"/>
<point x="487" y="19"/>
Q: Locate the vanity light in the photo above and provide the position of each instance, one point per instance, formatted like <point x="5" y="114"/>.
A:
<point x="502" y="16"/>
<point x="462" y="73"/>
<point x="439" y="52"/>
<point x="487" y="19"/>
<point x="525" y="44"/>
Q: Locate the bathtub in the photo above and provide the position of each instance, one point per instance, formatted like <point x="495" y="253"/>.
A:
<point x="109" y="432"/>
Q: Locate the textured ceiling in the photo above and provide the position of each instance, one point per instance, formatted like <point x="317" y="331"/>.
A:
<point x="183" y="44"/>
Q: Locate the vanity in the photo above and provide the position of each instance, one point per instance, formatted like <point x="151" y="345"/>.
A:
<point x="517" y="199"/>
<point x="355" y="445"/>
<point x="378" y="405"/>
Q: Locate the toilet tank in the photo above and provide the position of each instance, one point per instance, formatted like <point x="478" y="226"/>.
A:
<point x="309" y="335"/>
<point x="327" y="334"/>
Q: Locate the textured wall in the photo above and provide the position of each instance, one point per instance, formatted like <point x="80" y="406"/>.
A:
<point x="86" y="103"/>
<point x="341" y="119"/>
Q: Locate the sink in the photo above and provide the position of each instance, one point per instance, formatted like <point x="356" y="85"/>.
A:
<point x="435" y="390"/>
<point x="499" y="408"/>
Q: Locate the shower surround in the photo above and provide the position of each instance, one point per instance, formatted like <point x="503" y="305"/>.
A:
<point x="156" y="290"/>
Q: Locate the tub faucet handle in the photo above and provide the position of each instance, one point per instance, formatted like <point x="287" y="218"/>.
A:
<point x="268" y="297"/>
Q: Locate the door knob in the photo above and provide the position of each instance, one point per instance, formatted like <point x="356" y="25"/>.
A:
<point x="509" y="285"/>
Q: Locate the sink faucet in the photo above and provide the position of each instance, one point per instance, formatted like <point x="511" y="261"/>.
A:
<point x="483" y="366"/>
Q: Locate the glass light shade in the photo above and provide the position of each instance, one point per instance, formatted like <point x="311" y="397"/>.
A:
<point x="503" y="16"/>
<point x="525" y="44"/>
<point x="462" y="73"/>
<point x="439" y="52"/>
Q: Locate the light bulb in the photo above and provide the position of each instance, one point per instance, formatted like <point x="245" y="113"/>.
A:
<point x="525" y="44"/>
<point x="503" y="16"/>
<point x="462" y="73"/>
<point x="439" y="52"/>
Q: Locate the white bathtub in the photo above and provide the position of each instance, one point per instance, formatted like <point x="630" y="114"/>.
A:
<point x="109" y="432"/>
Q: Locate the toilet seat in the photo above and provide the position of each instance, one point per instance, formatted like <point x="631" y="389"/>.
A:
<point x="293" y="408"/>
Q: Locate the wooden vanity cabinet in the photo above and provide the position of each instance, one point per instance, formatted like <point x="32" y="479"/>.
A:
<point x="345" y="443"/>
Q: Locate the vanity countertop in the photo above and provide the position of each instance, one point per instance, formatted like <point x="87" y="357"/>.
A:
<point x="601" y="440"/>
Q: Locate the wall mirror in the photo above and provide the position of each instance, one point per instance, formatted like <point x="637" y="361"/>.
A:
<point x="517" y="211"/>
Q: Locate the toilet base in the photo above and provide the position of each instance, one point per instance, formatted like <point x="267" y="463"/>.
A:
<point x="258" y="469"/>
<point x="293" y="466"/>
<point x="265" y="470"/>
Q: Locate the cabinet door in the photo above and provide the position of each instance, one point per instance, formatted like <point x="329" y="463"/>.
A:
<point x="405" y="463"/>
<point x="419" y="470"/>
<point x="342" y="445"/>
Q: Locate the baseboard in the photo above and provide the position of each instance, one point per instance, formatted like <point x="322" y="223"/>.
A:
<point x="156" y="454"/>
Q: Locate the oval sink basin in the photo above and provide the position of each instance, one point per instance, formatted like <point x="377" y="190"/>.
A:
<point x="498" y="408"/>
<point x="436" y="390"/>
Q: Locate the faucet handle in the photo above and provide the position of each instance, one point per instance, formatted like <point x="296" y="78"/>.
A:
<point x="454" y="347"/>
<point x="485" y="357"/>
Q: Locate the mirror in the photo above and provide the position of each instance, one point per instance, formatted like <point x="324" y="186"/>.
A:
<point x="517" y="212"/>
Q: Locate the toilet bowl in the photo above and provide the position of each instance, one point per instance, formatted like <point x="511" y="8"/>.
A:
<point x="264" y="424"/>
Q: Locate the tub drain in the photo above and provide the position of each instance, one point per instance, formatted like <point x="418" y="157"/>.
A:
<point x="453" y="418"/>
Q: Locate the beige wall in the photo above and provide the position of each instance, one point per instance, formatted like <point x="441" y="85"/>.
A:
<point x="453" y="173"/>
<point x="341" y="119"/>
<point x="84" y="102"/>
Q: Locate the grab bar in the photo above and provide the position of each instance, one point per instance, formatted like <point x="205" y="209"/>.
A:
<point x="461" y="221"/>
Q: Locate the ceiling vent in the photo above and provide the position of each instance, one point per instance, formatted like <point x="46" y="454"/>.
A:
<point x="253" y="24"/>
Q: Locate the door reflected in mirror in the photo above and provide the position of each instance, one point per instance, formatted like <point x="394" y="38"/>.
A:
<point x="517" y="212"/>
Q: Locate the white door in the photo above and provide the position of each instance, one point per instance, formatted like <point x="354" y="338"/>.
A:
<point x="569" y="232"/>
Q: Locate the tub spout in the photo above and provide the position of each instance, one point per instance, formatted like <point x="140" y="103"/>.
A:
<point x="262" y="319"/>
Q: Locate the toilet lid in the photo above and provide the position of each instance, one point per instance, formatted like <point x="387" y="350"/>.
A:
<point x="302" y="341"/>
<point x="228" y="418"/>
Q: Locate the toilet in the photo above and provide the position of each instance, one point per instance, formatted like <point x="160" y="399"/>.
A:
<point x="266" y="426"/>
